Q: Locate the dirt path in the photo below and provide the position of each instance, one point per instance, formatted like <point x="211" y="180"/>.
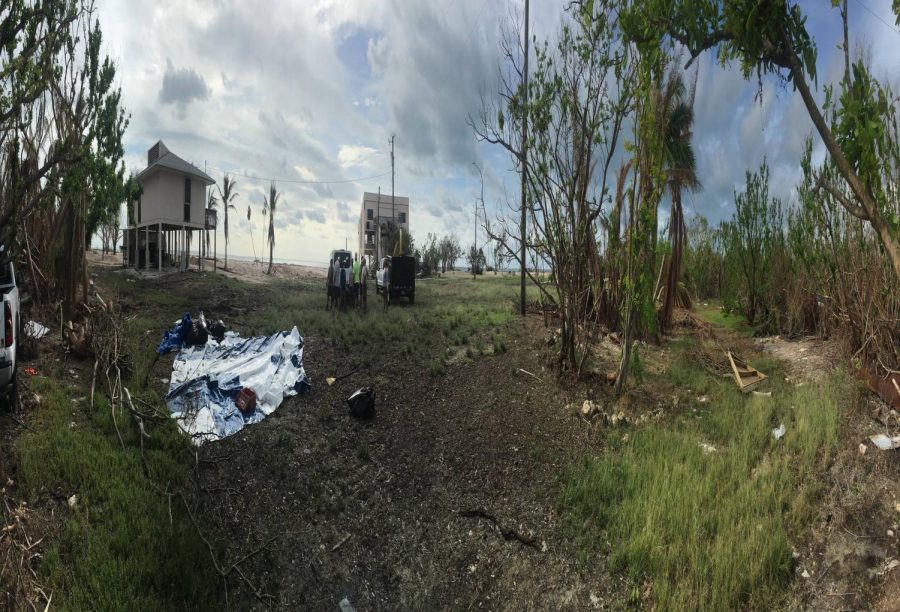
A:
<point x="445" y="500"/>
<point x="810" y="359"/>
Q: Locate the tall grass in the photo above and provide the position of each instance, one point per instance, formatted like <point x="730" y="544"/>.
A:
<point x="122" y="546"/>
<point x="710" y="530"/>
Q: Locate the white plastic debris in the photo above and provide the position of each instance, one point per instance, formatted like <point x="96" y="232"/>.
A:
<point x="707" y="448"/>
<point x="884" y="443"/>
<point x="35" y="330"/>
<point x="345" y="606"/>
<point x="779" y="432"/>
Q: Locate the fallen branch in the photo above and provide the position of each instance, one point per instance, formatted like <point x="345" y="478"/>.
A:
<point x="508" y="534"/>
<point x="530" y="374"/>
<point x="342" y="542"/>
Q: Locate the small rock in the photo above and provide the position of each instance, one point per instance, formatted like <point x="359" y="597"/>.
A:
<point x="703" y="399"/>
<point x="805" y="574"/>
<point x="862" y="449"/>
<point x="472" y="568"/>
<point x="73" y="502"/>
<point x="795" y="554"/>
<point x="588" y="408"/>
<point x="897" y="506"/>
<point x="890" y="533"/>
<point x="595" y="601"/>
<point x="543" y="547"/>
<point x="617" y="418"/>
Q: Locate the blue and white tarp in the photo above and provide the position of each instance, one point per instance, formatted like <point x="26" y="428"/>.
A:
<point x="206" y="379"/>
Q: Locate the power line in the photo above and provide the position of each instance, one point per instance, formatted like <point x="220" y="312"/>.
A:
<point x="301" y="182"/>
<point x="878" y="17"/>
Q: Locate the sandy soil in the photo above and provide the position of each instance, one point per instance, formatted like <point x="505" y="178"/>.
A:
<point x="247" y="271"/>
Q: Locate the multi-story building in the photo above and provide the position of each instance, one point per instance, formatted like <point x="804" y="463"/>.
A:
<point x="384" y="213"/>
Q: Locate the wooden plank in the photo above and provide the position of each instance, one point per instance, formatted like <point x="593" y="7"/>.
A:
<point x="746" y="376"/>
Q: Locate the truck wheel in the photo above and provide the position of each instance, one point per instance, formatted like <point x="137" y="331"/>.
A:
<point x="14" y="393"/>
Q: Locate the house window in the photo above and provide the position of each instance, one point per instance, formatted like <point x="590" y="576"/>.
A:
<point x="187" y="198"/>
<point x="370" y="214"/>
<point x="403" y="217"/>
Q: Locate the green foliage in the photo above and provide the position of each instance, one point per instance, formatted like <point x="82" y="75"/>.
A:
<point x="703" y="259"/>
<point x="476" y="260"/>
<point x="710" y="530"/>
<point x="754" y="240"/>
<point x="119" y="548"/>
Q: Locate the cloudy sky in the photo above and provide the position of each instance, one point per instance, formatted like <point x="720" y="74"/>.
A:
<point x="312" y="90"/>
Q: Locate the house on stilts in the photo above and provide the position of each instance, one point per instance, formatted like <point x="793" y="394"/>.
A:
<point x="167" y="222"/>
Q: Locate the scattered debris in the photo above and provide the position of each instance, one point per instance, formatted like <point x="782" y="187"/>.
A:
<point x="35" y="330"/>
<point x="73" y="502"/>
<point x="862" y="448"/>
<point x="763" y="393"/>
<point x="708" y="448"/>
<point x="508" y="534"/>
<point x="345" y="606"/>
<point x="703" y="399"/>
<point x="746" y="376"/>
<point x="884" y="442"/>
<point x="246" y="400"/>
<point x="30" y="371"/>
<point x="588" y="409"/>
<point x="887" y="566"/>
<point x="333" y="379"/>
<point x="362" y="403"/>
<point x="341" y="542"/>
<point x="779" y="432"/>
<point x="537" y="378"/>
<point x="618" y="417"/>
<point x="805" y="574"/>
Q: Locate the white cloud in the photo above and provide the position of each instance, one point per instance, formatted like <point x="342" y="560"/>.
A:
<point x="355" y="155"/>
<point x="305" y="173"/>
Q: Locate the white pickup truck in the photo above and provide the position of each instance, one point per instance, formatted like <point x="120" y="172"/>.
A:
<point x="9" y="330"/>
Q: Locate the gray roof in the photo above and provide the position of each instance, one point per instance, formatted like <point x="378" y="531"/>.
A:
<point x="173" y="162"/>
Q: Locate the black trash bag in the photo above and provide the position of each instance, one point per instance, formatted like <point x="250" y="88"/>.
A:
<point x="217" y="330"/>
<point x="198" y="333"/>
<point x="362" y="403"/>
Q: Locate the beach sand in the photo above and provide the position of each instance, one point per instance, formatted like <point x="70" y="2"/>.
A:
<point x="248" y="271"/>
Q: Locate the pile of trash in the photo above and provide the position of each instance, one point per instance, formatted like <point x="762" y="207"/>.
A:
<point x="221" y="382"/>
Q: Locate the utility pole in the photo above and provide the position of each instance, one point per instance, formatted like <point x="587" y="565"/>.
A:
<point x="475" y="242"/>
<point x="524" y="168"/>
<point x="378" y="226"/>
<point x="393" y="204"/>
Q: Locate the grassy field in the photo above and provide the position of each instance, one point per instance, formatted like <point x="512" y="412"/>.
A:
<point x="712" y="312"/>
<point x="125" y="545"/>
<point x="705" y="529"/>
<point x="706" y="506"/>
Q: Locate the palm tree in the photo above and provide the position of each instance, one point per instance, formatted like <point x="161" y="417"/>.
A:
<point x="227" y="193"/>
<point x="269" y="205"/>
<point x="212" y="204"/>
<point x="676" y="107"/>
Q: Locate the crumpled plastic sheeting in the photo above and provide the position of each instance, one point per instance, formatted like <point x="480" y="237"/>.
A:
<point x="206" y="379"/>
<point x="174" y="338"/>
